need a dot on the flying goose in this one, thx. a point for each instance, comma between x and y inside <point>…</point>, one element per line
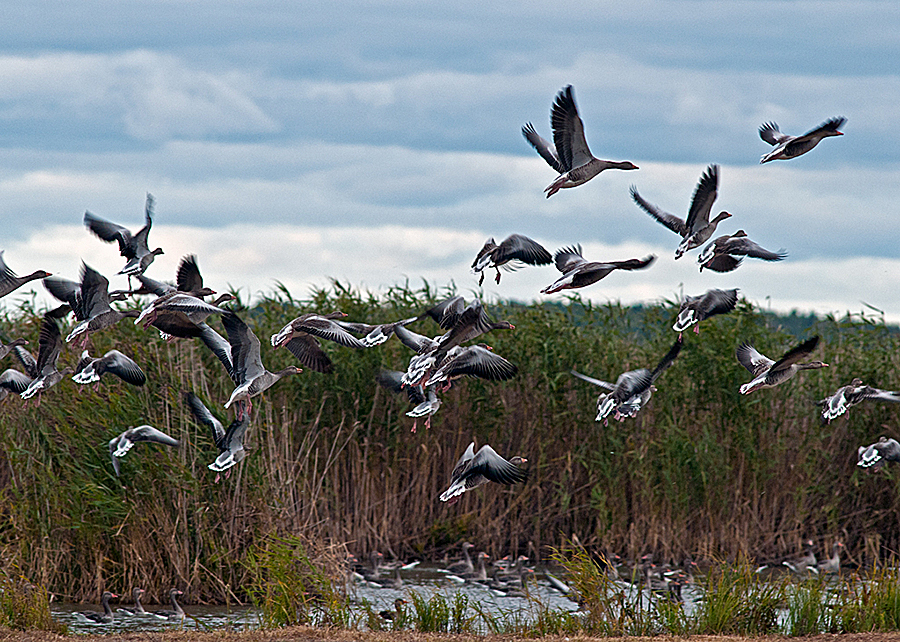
<point>300,338</point>
<point>512,252</point>
<point>697,228</point>
<point>89,370</point>
<point>13,381</point>
<point>632,389</point>
<point>846,396</point>
<point>426,400</point>
<point>132,246</point>
<point>10,281</point>
<point>695,309</point>
<point>248,373</point>
<point>787,147</point>
<point>373,335</point>
<point>474,469</point>
<point>121,444</point>
<point>94,305</point>
<point>6,348</point>
<point>229,441</point>
<point>46,374</point>
<point>474,361</point>
<point>100,618</point>
<point>578,273</point>
<point>879,453</point>
<point>569,153</point>
<point>768,373</point>
<point>720,255</point>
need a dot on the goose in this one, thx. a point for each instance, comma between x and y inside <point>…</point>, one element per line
<point>578,273</point>
<point>854,393</point>
<point>300,338</point>
<point>695,309</point>
<point>697,228</point>
<point>138,608</point>
<point>474,361</point>
<point>450,307</point>
<point>632,389</point>
<point>426,399</point>
<point>132,246</point>
<point>89,370</point>
<point>514,249</point>
<point>249,375</point>
<point>176,314</point>
<point>229,441</point>
<point>176,612</point>
<point>5,349</point>
<point>474,469</point>
<point>720,255</point>
<point>768,373</point>
<point>397,613</point>
<point>121,444</point>
<point>95,305</point>
<point>373,335</point>
<point>46,374</point>
<point>372,573</point>
<point>10,281</point>
<point>569,153</point>
<point>13,381</point>
<point>806,563</point>
<point>879,453</point>
<point>100,618</point>
<point>832,565</point>
<point>465,565</point>
<point>787,147</point>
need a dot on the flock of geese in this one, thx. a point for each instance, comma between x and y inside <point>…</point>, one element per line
<point>182,311</point>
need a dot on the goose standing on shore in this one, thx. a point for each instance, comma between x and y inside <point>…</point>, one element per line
<point>132,246</point>
<point>697,228</point>
<point>787,147</point>
<point>879,453</point>
<point>514,251</point>
<point>850,395</point>
<point>695,309</point>
<point>121,444</point>
<point>578,273</point>
<point>248,373</point>
<point>10,281</point>
<point>474,469</point>
<point>768,373</point>
<point>721,255</point>
<point>569,153</point>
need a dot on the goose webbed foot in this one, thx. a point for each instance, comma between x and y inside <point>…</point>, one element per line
<point>415,424</point>
<point>697,329</point>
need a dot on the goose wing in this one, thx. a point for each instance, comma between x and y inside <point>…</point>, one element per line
<point>463,464</point>
<point>7,276</point>
<point>328,329</point>
<point>219,347</point>
<point>829,126</point>
<point>476,361</point>
<point>545,148</point>
<point>94,291</point>
<point>412,340</point>
<point>393,381</point>
<point>14,381</point>
<point>703,199</point>
<point>746,247</point>
<point>568,131</point>
<point>188,277</point>
<point>717,302</point>
<point>124,367</point>
<point>671,221</point>
<point>770,133</point>
<point>722,263</point>
<point>490,465</point>
<point>50,342</point>
<point>597,382</point>
<point>27,360</point>
<point>868,392</point>
<point>245,349</point>
<point>521,248</point>
<point>308,351</point>
<point>667,360</point>
<point>204,416</point>
<point>795,354</point>
<point>446,312</point>
<point>753,360</point>
<point>569,258</point>
<point>110,232</point>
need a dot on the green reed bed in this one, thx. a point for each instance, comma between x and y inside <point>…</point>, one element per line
<point>702,471</point>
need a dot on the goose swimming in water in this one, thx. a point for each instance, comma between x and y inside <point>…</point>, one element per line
<point>176,612</point>
<point>787,147</point>
<point>768,373</point>
<point>474,469</point>
<point>854,393</point>
<point>138,608</point>
<point>515,250</point>
<point>100,618</point>
<point>132,246</point>
<point>579,273</point>
<point>697,228</point>
<point>569,153</point>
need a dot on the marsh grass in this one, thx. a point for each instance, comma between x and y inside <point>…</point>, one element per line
<point>25,606</point>
<point>701,471</point>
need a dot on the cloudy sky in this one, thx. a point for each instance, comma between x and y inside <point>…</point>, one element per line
<point>376,142</point>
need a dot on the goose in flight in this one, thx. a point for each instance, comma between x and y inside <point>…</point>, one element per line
<point>578,273</point>
<point>768,373</point>
<point>514,251</point>
<point>726,252</point>
<point>787,147</point>
<point>474,469</point>
<point>569,153</point>
<point>132,246</point>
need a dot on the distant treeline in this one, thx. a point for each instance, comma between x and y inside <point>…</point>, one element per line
<point>702,471</point>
